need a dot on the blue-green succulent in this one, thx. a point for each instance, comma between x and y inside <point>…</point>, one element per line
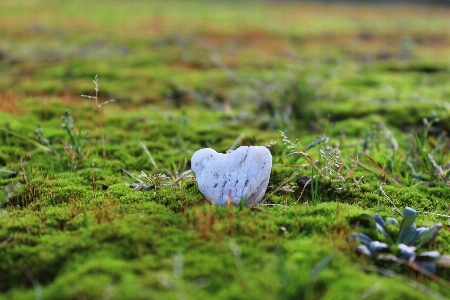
<point>387,240</point>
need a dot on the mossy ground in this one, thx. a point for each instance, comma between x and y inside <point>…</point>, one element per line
<point>192,74</point>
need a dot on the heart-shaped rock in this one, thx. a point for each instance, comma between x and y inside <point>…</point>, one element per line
<point>242,173</point>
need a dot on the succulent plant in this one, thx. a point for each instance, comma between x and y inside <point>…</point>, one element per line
<point>397,242</point>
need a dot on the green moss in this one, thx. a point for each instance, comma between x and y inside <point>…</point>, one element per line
<point>74,228</point>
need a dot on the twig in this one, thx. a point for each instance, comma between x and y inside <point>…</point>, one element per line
<point>274,204</point>
<point>131,175</point>
<point>384,194</point>
<point>181,177</point>
<point>303,190</point>
<point>434,214</point>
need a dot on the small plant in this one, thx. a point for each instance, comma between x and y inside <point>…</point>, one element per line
<point>333,164</point>
<point>330,168</point>
<point>99,105</point>
<point>73,146</point>
<point>389,242</point>
<point>40,137</point>
<point>426,160</point>
<point>435,161</point>
<point>76,138</point>
<point>156,181</point>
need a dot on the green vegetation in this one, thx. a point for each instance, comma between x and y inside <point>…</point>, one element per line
<point>400,242</point>
<point>94,199</point>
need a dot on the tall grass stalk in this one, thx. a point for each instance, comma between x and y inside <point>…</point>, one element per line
<point>99,115</point>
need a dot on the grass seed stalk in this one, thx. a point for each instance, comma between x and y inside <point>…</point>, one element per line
<point>99,115</point>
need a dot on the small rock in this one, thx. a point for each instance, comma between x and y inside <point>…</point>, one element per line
<point>242,173</point>
<point>283,229</point>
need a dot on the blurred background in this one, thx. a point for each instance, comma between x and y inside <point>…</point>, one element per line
<point>281,59</point>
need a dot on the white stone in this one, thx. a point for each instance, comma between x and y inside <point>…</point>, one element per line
<point>242,173</point>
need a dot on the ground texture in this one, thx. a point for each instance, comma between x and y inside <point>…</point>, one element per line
<point>360,90</point>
